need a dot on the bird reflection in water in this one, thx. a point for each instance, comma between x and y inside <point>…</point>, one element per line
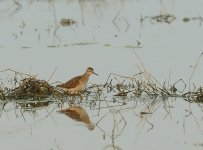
<point>79,114</point>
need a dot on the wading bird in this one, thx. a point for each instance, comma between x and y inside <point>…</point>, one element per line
<point>78,83</point>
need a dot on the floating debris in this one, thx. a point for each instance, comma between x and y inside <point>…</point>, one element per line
<point>52,46</point>
<point>145,113</point>
<point>67,22</point>
<point>162,18</point>
<point>84,43</point>
<point>167,18</point>
<point>186,19</point>
<point>107,45</point>
<point>199,18</point>
<point>25,47</point>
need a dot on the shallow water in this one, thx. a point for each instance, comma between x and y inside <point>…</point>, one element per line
<point>172,124</point>
<point>104,37</point>
<point>29,43</point>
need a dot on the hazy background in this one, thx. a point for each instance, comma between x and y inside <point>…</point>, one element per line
<point>101,38</point>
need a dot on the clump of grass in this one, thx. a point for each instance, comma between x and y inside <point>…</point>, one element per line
<point>2,96</point>
<point>31,88</point>
<point>195,96</point>
<point>144,83</point>
<point>25,86</point>
<point>141,84</point>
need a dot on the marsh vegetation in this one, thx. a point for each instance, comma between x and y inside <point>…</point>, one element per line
<point>156,103</point>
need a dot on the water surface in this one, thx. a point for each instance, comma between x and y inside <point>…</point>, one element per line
<point>104,37</point>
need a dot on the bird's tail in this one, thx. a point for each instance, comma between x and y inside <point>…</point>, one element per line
<point>60,111</point>
<point>60,89</point>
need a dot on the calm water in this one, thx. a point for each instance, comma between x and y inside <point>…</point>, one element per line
<point>103,38</point>
<point>173,124</point>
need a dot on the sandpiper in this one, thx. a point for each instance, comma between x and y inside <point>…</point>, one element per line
<point>79,114</point>
<point>78,83</point>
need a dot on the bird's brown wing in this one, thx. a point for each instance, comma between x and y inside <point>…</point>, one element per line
<point>72,83</point>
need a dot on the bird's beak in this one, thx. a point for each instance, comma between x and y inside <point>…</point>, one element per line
<point>95,73</point>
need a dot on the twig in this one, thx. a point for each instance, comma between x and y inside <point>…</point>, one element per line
<point>128,25</point>
<point>16,72</point>
<point>114,21</point>
<point>51,75</point>
<point>196,64</point>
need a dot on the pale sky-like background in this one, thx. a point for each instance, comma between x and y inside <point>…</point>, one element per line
<point>28,45</point>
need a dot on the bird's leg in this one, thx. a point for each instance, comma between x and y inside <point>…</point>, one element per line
<point>81,97</point>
